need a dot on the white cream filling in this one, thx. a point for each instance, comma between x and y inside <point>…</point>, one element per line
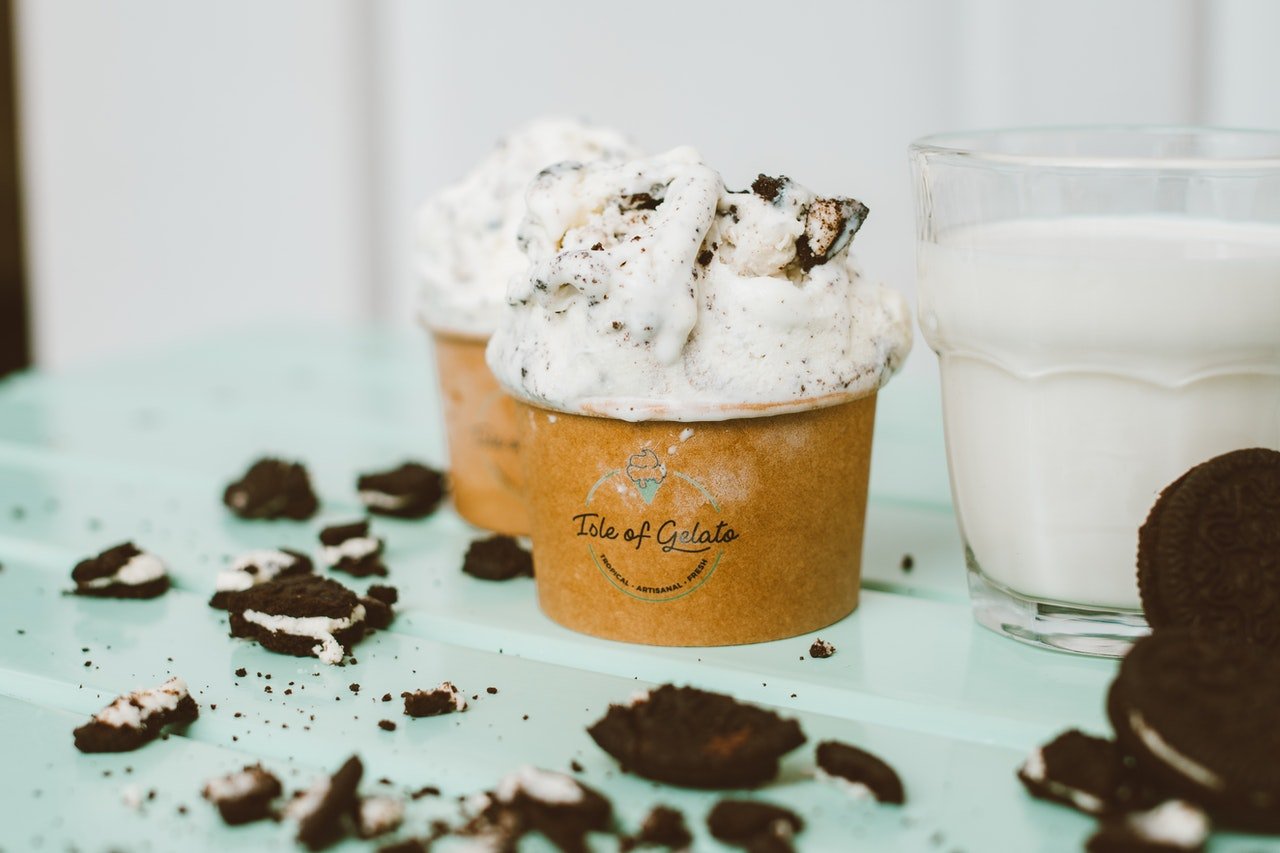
<point>1034,769</point>
<point>857,790</point>
<point>541,785</point>
<point>382,500</point>
<point>301,808</point>
<point>268,563</point>
<point>379,815</point>
<point>459,701</point>
<point>353,549</point>
<point>141,568</point>
<point>235,785</point>
<point>474,804</point>
<point>321,628</point>
<point>133,709</point>
<point>1161,749</point>
<point>1174,822</point>
<point>131,796</point>
<point>455,696</point>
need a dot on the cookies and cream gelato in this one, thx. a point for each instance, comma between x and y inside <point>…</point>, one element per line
<point>465,236</point>
<point>651,291</point>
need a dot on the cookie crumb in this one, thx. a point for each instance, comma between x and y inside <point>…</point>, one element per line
<point>821,649</point>
<point>272,488</point>
<point>498,558</point>
<point>445,699</point>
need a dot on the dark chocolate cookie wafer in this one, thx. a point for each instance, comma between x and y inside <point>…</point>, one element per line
<point>1199,720</point>
<point>125,571</point>
<point>410,491</point>
<point>243,796</point>
<point>662,827</point>
<point>754,825</point>
<point>272,488</point>
<point>1209,551</point>
<point>445,699</point>
<point>300,615</point>
<point>697,739</point>
<point>859,767</point>
<point>498,558</point>
<point>321,812</point>
<point>137,718</point>
<point>1087,773</point>
<point>351,548</point>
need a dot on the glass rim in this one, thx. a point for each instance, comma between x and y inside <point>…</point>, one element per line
<point>978,147</point>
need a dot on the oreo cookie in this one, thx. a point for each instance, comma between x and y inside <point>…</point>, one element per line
<point>304,615</point>
<point>410,491</point>
<point>1087,773</point>
<point>388,595</point>
<point>378,601</point>
<point>1171,827</point>
<point>696,739</point>
<point>1199,720</point>
<point>1209,551</point>
<point>820,648</point>
<point>861,771</point>
<point>322,810</point>
<point>376,816</point>
<point>445,699</point>
<point>243,796</point>
<point>124,571</point>
<point>498,558</point>
<point>534,800</point>
<point>272,488</point>
<point>755,825</point>
<point>350,548</point>
<point>662,827</point>
<point>137,718</point>
<point>258,567</point>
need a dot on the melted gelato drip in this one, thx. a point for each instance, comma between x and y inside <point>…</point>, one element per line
<point>466,248</point>
<point>652,292</point>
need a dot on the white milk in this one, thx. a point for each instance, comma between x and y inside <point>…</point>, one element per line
<point>1086,364</point>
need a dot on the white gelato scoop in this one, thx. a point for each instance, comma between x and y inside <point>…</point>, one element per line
<point>653,293</point>
<point>465,236</point>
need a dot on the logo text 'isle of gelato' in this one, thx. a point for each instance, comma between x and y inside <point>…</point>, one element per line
<point>646,470</point>
<point>683,532</point>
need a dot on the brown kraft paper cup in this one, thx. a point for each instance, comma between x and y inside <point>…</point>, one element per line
<point>691,534</point>
<point>484,445</point>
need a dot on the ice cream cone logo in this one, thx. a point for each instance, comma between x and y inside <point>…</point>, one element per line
<point>647,472</point>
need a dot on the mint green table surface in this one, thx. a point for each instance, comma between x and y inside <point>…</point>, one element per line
<point>141,448</point>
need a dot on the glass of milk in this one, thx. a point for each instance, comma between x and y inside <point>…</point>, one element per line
<point>1105,306</point>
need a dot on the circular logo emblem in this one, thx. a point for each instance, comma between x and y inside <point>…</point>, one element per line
<point>655,533</point>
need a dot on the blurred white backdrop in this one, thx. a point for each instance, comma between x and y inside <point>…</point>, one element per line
<point>193,167</point>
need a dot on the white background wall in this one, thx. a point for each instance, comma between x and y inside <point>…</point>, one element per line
<point>191,167</point>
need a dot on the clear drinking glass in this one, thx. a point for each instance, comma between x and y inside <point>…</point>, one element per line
<point>1105,306</point>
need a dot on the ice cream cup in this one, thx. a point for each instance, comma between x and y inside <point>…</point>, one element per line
<point>714,532</point>
<point>484,444</point>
